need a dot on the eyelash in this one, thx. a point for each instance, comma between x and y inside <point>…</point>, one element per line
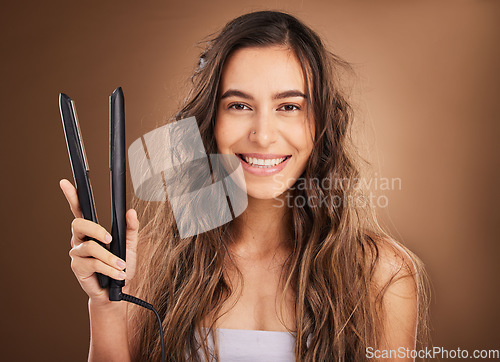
<point>241,104</point>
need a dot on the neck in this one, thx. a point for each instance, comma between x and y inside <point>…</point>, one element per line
<point>262,229</point>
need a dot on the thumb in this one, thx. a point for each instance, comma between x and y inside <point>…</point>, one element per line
<point>132,237</point>
<point>132,226</point>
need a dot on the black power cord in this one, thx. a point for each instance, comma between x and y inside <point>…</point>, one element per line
<point>119,295</point>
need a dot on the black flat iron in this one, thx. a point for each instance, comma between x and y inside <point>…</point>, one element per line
<point>117,166</point>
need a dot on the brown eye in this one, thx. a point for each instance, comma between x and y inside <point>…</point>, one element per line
<point>289,107</point>
<point>237,106</point>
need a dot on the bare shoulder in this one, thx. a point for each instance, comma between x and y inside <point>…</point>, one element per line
<point>394,286</point>
<point>393,265</point>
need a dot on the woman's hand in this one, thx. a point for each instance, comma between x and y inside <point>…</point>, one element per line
<point>88,257</point>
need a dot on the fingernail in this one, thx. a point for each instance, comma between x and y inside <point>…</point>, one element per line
<point>122,275</point>
<point>108,238</point>
<point>121,263</point>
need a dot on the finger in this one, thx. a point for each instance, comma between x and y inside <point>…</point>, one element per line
<point>132,238</point>
<point>92,249</point>
<point>71,196</point>
<point>83,229</point>
<point>132,227</point>
<point>84,268</point>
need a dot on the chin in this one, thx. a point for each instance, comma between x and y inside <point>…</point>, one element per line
<point>265,194</point>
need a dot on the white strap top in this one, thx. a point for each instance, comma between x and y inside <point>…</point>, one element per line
<point>241,345</point>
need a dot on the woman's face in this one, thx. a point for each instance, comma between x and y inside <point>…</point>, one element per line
<point>263,91</point>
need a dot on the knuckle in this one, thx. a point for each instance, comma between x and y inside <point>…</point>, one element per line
<point>87,247</point>
<point>73,265</point>
<point>75,221</point>
<point>83,247</point>
<point>75,224</point>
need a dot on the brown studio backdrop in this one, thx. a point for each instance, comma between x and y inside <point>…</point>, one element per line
<point>426,97</point>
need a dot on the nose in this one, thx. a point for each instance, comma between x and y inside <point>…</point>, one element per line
<point>265,127</point>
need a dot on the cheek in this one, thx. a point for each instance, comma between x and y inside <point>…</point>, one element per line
<point>301,136</point>
<point>309,132</point>
<point>224,136</point>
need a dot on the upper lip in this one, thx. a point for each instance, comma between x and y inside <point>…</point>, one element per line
<point>262,156</point>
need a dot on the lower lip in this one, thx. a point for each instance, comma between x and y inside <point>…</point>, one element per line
<point>264,171</point>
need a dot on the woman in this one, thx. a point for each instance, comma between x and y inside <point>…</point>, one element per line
<point>303,258</point>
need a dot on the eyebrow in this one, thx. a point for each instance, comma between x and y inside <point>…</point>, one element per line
<point>280,95</point>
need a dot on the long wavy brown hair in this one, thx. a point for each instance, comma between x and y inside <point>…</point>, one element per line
<point>335,246</point>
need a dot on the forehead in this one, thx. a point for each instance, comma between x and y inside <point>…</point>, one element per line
<point>263,69</point>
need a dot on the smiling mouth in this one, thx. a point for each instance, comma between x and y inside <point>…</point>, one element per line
<point>267,162</point>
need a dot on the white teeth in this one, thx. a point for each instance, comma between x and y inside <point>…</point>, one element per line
<point>263,163</point>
